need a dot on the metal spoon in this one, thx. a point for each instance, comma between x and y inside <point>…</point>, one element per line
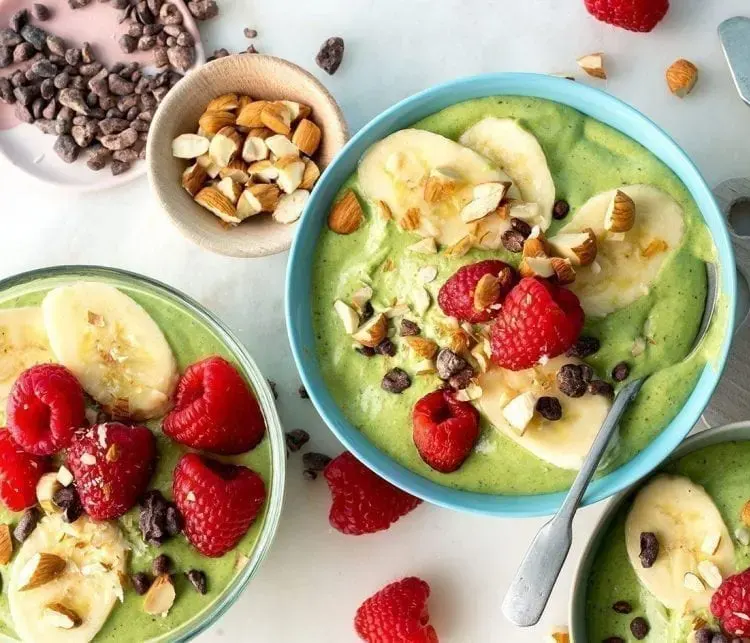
<point>536,577</point>
<point>734,34</point>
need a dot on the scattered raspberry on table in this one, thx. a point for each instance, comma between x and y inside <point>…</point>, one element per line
<point>633,15</point>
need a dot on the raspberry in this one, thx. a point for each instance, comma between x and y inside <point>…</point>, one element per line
<point>363,502</point>
<point>218,502</point>
<point>112,464</point>
<point>45,407</point>
<point>19,473</point>
<point>456,296</point>
<point>633,15</point>
<point>397,614</point>
<point>215,410</point>
<point>445,430</point>
<point>731,604</point>
<point>537,320</point>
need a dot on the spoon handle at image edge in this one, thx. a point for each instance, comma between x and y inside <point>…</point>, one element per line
<point>532,586</point>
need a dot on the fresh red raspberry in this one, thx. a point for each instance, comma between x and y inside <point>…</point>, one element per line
<point>733,599</point>
<point>633,15</point>
<point>45,407</point>
<point>215,410</point>
<point>445,430</point>
<point>112,464</point>
<point>19,473</point>
<point>218,502</point>
<point>456,296</point>
<point>538,319</point>
<point>397,614</point>
<point>363,502</point>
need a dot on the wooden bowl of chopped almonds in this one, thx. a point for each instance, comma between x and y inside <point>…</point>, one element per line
<point>235,149</point>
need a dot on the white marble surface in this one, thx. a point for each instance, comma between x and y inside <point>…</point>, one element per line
<point>314,578</point>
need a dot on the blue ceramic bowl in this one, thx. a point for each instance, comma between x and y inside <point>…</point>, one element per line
<point>591,102</point>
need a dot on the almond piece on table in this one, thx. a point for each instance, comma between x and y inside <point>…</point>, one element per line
<point>215,202</point>
<point>254,149</point>
<point>579,247</point>
<point>189,146</point>
<point>230,189</point>
<point>6,545</point>
<point>620,215</point>
<point>346,214</point>
<point>211,122</point>
<point>249,115</point>
<point>348,315</point>
<point>160,596</point>
<point>276,117</point>
<point>307,137</point>
<point>225,146</point>
<point>373,331</point>
<point>593,65</point>
<point>681,77</point>
<point>291,206</point>
<point>236,170</point>
<point>40,569</point>
<point>310,176</point>
<point>58,615</point>
<point>281,146</point>
<point>194,178</point>
<point>264,171</point>
<point>291,169</point>
<point>225,102</point>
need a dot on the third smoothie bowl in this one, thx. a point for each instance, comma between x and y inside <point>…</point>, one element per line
<point>492,260</point>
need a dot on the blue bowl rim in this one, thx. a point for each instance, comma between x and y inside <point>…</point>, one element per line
<point>592,102</point>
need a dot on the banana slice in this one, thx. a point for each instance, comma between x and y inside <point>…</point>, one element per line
<point>416,169</point>
<point>87,589</point>
<point>112,346</point>
<point>517,152</point>
<point>563,443</point>
<point>685,520</point>
<point>23,344</point>
<point>630,261</point>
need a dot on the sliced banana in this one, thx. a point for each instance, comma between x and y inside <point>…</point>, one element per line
<point>682,516</point>
<point>629,261</point>
<point>563,443</point>
<point>517,152</point>
<point>23,344</point>
<point>112,346</point>
<point>89,586</point>
<point>397,169</point>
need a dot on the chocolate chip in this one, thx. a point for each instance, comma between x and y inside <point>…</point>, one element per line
<point>649,549</point>
<point>41,12</point>
<point>396,381</point>
<point>27,524</point>
<point>159,519</point>
<point>162,564</point>
<point>448,364</point>
<point>302,392</point>
<point>366,351</point>
<point>408,328</point>
<point>296,439</point>
<point>620,372</point>
<point>462,379</point>
<point>19,19</point>
<point>309,475</point>
<point>600,387</point>
<point>639,627</point>
<point>140,582</point>
<point>9,37</point>
<point>704,635</point>
<point>174,522</point>
<point>34,36</point>
<point>583,347</point>
<point>69,501</point>
<point>65,147</point>
<point>519,225</point>
<point>570,380</point>
<point>512,241</point>
<point>315,461</point>
<point>386,347</point>
<point>330,55</point>
<point>560,209</point>
<point>198,579</point>
<point>203,9</point>
<point>622,607</point>
<point>549,408</point>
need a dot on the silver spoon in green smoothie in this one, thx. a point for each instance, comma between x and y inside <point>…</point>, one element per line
<point>535,579</point>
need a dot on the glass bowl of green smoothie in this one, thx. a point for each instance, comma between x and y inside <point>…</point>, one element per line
<point>193,333</point>
<point>593,143</point>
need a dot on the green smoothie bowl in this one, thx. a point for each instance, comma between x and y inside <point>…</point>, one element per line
<point>663,549</point>
<point>142,467</point>
<point>479,272</point>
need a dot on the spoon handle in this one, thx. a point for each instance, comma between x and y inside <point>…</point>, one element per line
<point>530,590</point>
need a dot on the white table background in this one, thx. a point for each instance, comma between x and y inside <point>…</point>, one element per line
<point>314,578</point>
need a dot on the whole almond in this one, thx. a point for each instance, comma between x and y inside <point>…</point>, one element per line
<point>346,214</point>
<point>681,77</point>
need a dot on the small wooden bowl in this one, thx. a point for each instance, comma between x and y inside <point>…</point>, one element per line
<point>258,76</point>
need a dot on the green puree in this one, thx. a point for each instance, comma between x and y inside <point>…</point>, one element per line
<point>191,341</point>
<point>722,470</point>
<point>585,158</point>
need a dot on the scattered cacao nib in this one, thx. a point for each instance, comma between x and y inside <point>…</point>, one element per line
<point>549,408</point>
<point>128,43</point>
<point>198,580</point>
<point>78,4</point>
<point>583,347</point>
<point>6,57</point>
<point>181,58</point>
<point>307,474</point>
<point>218,53</point>
<point>386,347</point>
<point>622,607</point>
<point>512,241</point>
<point>620,372</point>
<point>98,159</point>
<point>56,45</point>
<point>41,12</point>
<point>519,225</point>
<point>587,373</point>
<point>65,147</point>
<point>119,167</point>
<point>707,635</point>
<point>69,501</point>
<point>203,9</point>
<point>159,519</point>
<point>560,209</point>
<point>462,379</point>
<point>34,36</point>
<point>367,351</point>
<point>23,113</point>
<point>140,582</point>
<point>27,524</point>
<point>570,380</point>
<point>169,14</point>
<point>19,19</point>
<point>315,461</point>
<point>302,392</point>
<point>6,91</point>
<point>367,311</point>
<point>62,80</point>
<point>395,381</point>
<point>649,549</point>
<point>330,55</point>
<point>613,639</point>
<point>250,33</point>
<point>639,627</point>
<point>600,387</point>
<point>251,50</point>
<point>162,564</point>
<point>409,328</point>
<point>296,439</point>
<point>448,363</point>
<point>87,53</point>
<point>9,37</point>
<point>23,52</point>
